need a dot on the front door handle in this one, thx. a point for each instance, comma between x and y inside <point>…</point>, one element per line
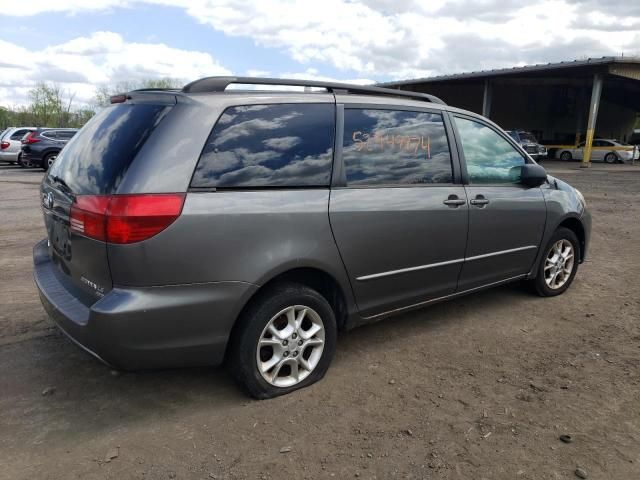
<point>479,201</point>
<point>453,201</point>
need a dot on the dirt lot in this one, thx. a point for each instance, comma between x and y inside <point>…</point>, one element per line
<point>480,387</point>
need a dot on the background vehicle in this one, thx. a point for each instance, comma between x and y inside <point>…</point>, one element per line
<point>40,148</point>
<point>283,217</point>
<point>10,143</point>
<point>604,150</point>
<point>529,143</point>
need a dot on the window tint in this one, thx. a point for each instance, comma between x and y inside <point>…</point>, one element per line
<point>18,134</point>
<point>52,134</point>
<point>96,159</point>
<point>65,134</point>
<point>392,147</point>
<point>490,158</point>
<point>283,145</point>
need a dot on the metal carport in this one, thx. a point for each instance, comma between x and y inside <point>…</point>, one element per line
<point>561,103</point>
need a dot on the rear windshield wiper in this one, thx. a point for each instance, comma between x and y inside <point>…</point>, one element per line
<point>62,183</point>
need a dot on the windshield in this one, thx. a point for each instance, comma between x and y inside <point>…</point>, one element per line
<point>96,159</point>
<point>527,137</point>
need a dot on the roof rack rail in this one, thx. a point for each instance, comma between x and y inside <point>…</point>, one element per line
<point>220,84</point>
<point>159,89</point>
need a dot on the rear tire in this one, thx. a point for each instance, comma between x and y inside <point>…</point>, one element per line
<point>20,161</point>
<point>566,156</point>
<point>276,348</point>
<point>611,158</point>
<point>559,265</point>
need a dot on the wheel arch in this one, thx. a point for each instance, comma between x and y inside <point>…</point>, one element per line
<point>575,225</point>
<point>572,222</point>
<point>561,151</point>
<point>49,151</point>
<point>311,276</point>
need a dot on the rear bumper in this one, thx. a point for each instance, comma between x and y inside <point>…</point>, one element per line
<point>8,156</point>
<point>142,328</point>
<point>30,158</point>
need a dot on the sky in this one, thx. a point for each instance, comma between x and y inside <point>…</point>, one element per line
<point>81,44</point>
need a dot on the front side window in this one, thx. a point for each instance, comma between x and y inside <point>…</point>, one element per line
<point>280,145</point>
<point>395,147</point>
<point>490,158</point>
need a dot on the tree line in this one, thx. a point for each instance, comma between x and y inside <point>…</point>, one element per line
<point>52,106</point>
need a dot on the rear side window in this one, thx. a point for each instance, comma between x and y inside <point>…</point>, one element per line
<point>96,159</point>
<point>19,134</point>
<point>395,147</point>
<point>51,134</point>
<point>281,145</point>
<point>65,134</point>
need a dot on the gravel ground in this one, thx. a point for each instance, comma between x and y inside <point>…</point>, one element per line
<point>481,387</point>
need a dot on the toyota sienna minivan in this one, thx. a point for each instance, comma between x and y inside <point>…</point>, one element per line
<point>195,226</point>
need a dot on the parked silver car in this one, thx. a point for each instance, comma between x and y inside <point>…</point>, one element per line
<point>10,151</point>
<point>604,150</point>
<point>192,226</point>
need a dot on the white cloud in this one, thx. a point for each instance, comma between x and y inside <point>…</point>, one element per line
<point>82,63</point>
<point>366,39</point>
<point>384,38</point>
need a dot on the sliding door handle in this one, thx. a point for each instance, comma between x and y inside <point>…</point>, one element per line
<point>454,201</point>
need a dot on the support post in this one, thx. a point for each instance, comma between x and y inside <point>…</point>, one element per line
<point>486,99</point>
<point>593,116</point>
<point>582,94</point>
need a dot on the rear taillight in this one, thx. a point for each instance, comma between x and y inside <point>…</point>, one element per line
<point>30,138</point>
<point>124,218</point>
<point>4,145</point>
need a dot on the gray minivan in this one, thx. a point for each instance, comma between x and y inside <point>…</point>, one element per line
<point>196,226</point>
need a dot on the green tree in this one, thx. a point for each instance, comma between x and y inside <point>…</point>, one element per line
<point>105,92</point>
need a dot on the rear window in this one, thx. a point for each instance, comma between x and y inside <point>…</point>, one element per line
<point>96,159</point>
<point>257,146</point>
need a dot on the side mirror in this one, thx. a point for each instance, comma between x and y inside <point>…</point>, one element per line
<point>532,175</point>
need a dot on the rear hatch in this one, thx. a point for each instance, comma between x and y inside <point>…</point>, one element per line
<point>81,186</point>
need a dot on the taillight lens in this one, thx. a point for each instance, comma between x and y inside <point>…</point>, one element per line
<point>89,216</point>
<point>30,138</point>
<point>4,145</point>
<point>124,219</point>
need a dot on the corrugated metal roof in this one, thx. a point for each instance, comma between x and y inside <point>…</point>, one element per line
<point>517,70</point>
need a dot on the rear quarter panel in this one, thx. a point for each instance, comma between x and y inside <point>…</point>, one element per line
<point>246,236</point>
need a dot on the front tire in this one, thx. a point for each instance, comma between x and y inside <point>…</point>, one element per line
<point>559,265</point>
<point>285,340</point>
<point>566,156</point>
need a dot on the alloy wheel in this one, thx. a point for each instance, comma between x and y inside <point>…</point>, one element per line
<point>559,264</point>
<point>290,346</point>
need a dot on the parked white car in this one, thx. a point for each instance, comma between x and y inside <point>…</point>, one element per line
<point>10,143</point>
<point>604,150</point>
